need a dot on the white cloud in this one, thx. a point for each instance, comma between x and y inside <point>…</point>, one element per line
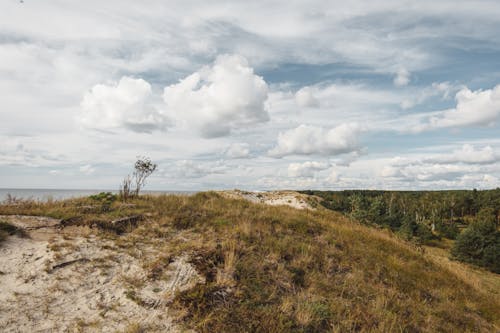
<point>334,177</point>
<point>466,163</point>
<point>14,151</point>
<point>480,107</point>
<point>469,155</point>
<point>51,54</point>
<point>238,150</point>
<point>196,169</point>
<point>347,159</point>
<point>390,171</point>
<point>442,89</point>
<point>87,169</point>
<point>426,171</point>
<point>306,169</point>
<point>219,98</point>
<point>402,77</point>
<point>305,97</point>
<point>126,104</point>
<point>308,140</point>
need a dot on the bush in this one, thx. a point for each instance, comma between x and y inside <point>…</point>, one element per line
<point>410,229</point>
<point>105,199</point>
<point>479,244</point>
<point>448,230</point>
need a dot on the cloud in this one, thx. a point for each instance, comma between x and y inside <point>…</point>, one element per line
<point>14,151</point>
<point>306,169</point>
<point>193,169</point>
<point>305,97</point>
<point>87,169</point>
<point>347,159</point>
<point>467,162</point>
<point>333,178</point>
<point>238,150</point>
<point>402,78</point>
<point>219,98</point>
<point>474,108</point>
<point>425,172</point>
<point>125,104</point>
<point>443,89</point>
<point>467,154</point>
<point>308,140</point>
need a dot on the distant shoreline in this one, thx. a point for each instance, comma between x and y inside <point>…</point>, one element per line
<point>60,194</point>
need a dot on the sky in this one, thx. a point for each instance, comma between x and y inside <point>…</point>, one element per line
<point>255,95</point>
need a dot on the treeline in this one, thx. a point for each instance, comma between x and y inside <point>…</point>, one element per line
<point>469,217</point>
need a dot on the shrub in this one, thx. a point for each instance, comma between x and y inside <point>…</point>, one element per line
<point>479,244</point>
<point>448,230</point>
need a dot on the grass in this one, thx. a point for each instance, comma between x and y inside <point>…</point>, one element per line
<point>277,269</point>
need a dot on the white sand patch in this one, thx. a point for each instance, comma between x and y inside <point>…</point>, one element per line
<point>55,283</point>
<point>274,198</point>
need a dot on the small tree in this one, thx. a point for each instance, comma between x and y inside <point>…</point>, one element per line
<point>143,168</point>
<point>479,244</point>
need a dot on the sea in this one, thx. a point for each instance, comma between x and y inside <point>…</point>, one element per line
<point>59,194</point>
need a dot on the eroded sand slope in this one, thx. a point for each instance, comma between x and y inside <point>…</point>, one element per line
<point>63,280</point>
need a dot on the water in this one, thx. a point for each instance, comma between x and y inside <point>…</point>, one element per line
<point>55,194</point>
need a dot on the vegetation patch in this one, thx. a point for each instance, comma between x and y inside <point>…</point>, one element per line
<point>278,269</point>
<point>425,217</point>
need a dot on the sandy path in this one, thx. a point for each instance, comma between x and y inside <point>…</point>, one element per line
<point>55,282</point>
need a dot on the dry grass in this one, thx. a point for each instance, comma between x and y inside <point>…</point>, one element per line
<point>277,269</point>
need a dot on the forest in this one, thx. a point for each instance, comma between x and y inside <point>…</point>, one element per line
<point>469,218</point>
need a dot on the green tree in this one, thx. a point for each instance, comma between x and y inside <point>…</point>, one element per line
<point>479,244</point>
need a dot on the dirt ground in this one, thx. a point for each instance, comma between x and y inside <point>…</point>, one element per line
<point>69,280</point>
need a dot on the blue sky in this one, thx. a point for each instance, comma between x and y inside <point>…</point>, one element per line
<point>261,95</point>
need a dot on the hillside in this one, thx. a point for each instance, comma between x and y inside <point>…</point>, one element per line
<point>214,263</point>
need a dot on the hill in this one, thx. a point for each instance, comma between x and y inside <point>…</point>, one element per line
<point>216,264</point>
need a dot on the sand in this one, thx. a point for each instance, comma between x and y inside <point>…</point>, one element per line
<point>61,281</point>
<point>273,198</point>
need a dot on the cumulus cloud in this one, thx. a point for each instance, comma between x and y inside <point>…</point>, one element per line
<point>308,140</point>
<point>125,104</point>
<point>238,150</point>
<point>480,108</point>
<point>219,98</point>
<point>305,97</point>
<point>469,155</point>
<point>419,171</point>
<point>194,169</point>
<point>306,169</point>
<point>464,163</point>
<point>402,77</point>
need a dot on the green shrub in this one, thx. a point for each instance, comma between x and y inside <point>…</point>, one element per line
<point>448,230</point>
<point>479,244</point>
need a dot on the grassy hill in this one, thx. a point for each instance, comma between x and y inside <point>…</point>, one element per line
<point>279,269</point>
